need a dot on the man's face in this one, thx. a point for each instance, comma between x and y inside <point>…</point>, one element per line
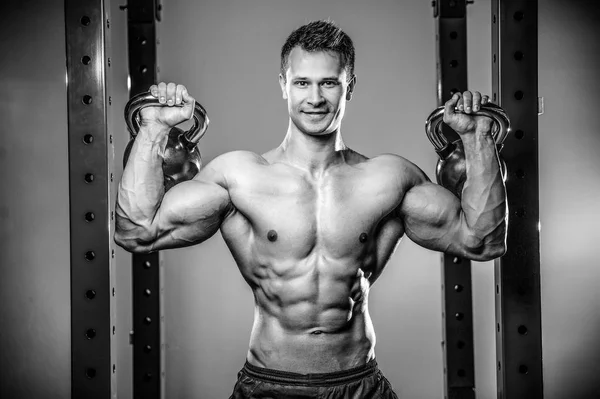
<point>316,89</point>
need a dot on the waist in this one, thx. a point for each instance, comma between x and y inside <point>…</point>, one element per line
<point>303,352</point>
<point>311,379</point>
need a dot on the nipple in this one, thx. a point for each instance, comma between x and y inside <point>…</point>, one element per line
<point>272,235</point>
<point>363,237</point>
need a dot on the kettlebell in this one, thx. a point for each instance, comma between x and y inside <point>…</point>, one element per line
<point>451,168</point>
<point>181,158</point>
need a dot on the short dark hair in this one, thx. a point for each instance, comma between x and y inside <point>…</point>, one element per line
<point>320,36</point>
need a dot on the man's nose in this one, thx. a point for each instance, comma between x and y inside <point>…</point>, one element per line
<point>316,98</point>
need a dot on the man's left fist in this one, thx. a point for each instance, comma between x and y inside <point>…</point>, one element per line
<point>458,113</point>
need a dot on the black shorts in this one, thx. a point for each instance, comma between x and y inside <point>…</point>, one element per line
<point>363,382</point>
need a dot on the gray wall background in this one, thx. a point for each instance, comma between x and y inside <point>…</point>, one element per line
<point>227,53</point>
<point>35,316</point>
<point>570,195</point>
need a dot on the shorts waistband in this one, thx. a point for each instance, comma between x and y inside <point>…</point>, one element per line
<point>326,379</point>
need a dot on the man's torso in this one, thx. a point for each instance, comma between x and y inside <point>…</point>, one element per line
<point>310,247</point>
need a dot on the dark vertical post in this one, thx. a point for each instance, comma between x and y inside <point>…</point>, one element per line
<point>141,31</point>
<point>92,274</point>
<point>518,300</point>
<point>459,371</point>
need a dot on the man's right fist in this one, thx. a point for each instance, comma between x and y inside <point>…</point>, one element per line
<point>176,106</point>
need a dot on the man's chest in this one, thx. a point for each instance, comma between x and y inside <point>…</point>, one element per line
<point>340,212</point>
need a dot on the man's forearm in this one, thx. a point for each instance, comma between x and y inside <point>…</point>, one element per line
<point>141,188</point>
<point>484,196</point>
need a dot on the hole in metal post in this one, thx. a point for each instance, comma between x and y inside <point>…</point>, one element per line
<point>90,255</point>
<point>459,316</point>
<point>519,134</point>
<point>90,216</point>
<point>90,294</point>
<point>87,99</point>
<point>85,20</point>
<point>460,344</point>
<point>90,333</point>
<point>90,373</point>
<point>522,330</point>
<point>518,55</point>
<point>461,373</point>
<point>89,177</point>
<point>147,348</point>
<point>518,16</point>
<point>147,264</point>
<point>453,35</point>
<point>523,369</point>
<point>147,292</point>
<point>520,173</point>
<point>457,260</point>
<point>519,95</point>
<point>147,320</point>
<point>453,64</point>
<point>88,139</point>
<point>85,60</point>
<point>458,288</point>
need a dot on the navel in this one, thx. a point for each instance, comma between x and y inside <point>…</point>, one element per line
<point>272,235</point>
<point>363,237</point>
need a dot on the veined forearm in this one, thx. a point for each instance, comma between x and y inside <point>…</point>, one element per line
<point>141,188</point>
<point>484,195</point>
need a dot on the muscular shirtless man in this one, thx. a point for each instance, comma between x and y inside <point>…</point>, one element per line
<point>312,223</point>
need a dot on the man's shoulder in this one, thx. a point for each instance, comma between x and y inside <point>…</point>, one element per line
<point>393,161</point>
<point>236,160</point>
<point>228,165</point>
<point>400,167</point>
<point>240,156</point>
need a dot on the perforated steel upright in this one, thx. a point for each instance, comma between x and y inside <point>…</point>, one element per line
<point>457,316</point>
<point>93,357</point>
<point>147,315</point>
<point>518,300</point>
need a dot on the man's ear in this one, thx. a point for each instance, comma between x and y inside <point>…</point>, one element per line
<point>351,85</point>
<point>282,84</point>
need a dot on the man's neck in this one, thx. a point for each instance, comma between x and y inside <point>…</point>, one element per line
<point>315,154</point>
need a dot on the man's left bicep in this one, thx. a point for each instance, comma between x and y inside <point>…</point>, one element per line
<point>432,218</point>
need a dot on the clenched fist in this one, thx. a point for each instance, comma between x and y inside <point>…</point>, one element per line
<point>463,122</point>
<point>176,106</point>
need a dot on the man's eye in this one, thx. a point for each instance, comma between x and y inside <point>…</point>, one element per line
<point>301,83</point>
<point>330,83</point>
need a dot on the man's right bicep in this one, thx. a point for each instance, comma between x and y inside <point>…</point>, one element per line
<point>191,212</point>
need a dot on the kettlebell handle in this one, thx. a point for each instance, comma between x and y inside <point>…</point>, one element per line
<point>500,129</point>
<point>146,99</point>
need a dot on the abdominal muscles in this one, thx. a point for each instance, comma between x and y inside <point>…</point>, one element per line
<point>311,315</point>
